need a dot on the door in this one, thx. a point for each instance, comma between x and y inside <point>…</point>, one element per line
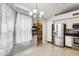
<point>59,37</point>
<point>59,41</point>
<point>60,30</point>
<point>68,41</point>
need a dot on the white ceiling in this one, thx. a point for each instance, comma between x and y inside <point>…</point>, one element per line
<point>50,9</point>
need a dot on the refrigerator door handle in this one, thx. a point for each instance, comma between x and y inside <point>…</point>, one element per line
<point>56,30</point>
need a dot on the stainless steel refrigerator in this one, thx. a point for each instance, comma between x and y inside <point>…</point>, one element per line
<point>59,34</point>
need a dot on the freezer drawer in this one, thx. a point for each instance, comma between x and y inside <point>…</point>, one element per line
<point>59,41</point>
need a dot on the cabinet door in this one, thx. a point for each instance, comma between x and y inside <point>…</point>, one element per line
<point>68,41</point>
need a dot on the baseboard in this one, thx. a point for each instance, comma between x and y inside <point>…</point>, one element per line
<point>49,42</point>
<point>59,46</point>
<point>68,47</point>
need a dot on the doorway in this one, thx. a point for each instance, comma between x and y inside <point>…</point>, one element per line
<point>39,32</point>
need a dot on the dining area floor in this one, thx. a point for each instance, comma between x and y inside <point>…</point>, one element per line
<point>48,50</point>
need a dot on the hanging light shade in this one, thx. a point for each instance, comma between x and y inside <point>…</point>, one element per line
<point>41,12</point>
<point>35,11</point>
<point>30,13</point>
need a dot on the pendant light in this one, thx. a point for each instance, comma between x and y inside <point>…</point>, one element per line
<point>35,13</point>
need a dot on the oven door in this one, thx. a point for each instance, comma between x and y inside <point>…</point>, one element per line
<point>76,40</point>
<point>75,44</point>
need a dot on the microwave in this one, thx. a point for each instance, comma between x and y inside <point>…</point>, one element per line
<point>76,26</point>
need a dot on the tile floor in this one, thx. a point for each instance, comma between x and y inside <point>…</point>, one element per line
<point>48,50</point>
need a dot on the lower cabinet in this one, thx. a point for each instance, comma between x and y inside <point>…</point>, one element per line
<point>68,41</point>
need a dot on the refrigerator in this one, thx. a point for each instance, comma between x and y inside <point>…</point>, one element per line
<point>59,34</point>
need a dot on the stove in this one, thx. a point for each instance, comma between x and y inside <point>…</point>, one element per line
<point>75,44</point>
<point>75,34</point>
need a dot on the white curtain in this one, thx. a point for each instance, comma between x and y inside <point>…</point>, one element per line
<point>7,30</point>
<point>23,28</point>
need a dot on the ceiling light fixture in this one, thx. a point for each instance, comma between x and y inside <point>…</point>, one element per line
<point>35,13</point>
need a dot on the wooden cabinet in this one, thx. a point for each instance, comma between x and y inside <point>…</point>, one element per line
<point>39,32</point>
